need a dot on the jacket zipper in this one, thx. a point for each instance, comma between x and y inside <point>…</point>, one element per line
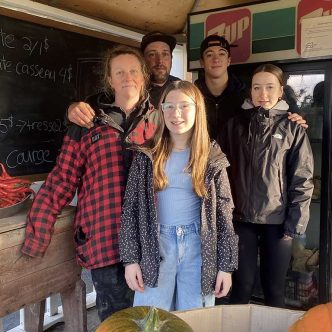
<point>250,202</point>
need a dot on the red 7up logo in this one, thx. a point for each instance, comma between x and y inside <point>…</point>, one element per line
<point>235,26</point>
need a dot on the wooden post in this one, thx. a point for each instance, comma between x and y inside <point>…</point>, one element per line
<point>74,307</point>
<point>34,317</point>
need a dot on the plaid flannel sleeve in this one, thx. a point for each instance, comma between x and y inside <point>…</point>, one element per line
<point>57,192</point>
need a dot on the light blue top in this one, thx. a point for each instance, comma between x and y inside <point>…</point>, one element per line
<point>178,204</point>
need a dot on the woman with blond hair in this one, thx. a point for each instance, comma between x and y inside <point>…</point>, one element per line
<point>95,162</point>
<point>177,240</point>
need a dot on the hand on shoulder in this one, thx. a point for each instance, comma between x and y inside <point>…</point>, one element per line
<point>81,114</point>
<point>298,119</point>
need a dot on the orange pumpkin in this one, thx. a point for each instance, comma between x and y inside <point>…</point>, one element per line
<point>316,319</point>
<point>143,319</point>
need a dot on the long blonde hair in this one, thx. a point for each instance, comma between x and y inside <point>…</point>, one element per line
<point>199,141</point>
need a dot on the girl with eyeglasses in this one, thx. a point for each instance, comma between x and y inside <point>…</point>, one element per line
<point>177,240</point>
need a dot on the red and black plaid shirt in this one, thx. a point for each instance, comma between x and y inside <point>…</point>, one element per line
<point>90,161</point>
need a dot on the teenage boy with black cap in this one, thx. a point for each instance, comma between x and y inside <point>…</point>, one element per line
<point>157,49</point>
<point>223,92</point>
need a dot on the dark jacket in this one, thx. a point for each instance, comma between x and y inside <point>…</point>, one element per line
<point>156,91</point>
<point>91,161</point>
<point>220,109</point>
<point>139,227</point>
<point>271,171</point>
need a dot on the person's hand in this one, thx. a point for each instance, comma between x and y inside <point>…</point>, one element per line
<point>223,284</point>
<point>298,119</point>
<point>133,275</point>
<point>81,114</point>
<point>286,237</point>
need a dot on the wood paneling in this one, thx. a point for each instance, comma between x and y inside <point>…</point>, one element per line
<point>140,15</point>
<point>25,280</point>
<point>136,15</point>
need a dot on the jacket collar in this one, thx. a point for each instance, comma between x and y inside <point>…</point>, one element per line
<point>104,101</point>
<point>216,157</point>
<point>281,107</point>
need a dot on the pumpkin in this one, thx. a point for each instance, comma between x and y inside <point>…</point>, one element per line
<point>143,319</point>
<point>316,319</point>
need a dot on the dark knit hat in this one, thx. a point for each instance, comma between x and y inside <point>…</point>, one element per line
<point>158,36</point>
<point>215,40</point>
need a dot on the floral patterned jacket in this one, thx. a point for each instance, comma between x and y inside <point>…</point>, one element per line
<point>139,225</point>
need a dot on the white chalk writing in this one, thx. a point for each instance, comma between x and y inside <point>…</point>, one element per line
<point>6,124</point>
<point>35,71</point>
<point>64,74</point>
<point>30,45</point>
<point>31,157</point>
<point>7,40</point>
<point>5,65</point>
<point>53,126</point>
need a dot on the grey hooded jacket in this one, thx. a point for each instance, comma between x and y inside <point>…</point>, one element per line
<point>271,171</point>
<point>139,224</point>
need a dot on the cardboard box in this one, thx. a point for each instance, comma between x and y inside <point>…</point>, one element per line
<point>240,318</point>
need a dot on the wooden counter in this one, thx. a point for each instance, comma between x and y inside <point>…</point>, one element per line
<point>28,281</point>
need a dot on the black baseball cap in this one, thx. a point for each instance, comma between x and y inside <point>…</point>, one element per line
<point>158,36</point>
<point>215,40</point>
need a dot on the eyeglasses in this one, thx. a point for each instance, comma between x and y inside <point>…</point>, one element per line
<point>183,106</point>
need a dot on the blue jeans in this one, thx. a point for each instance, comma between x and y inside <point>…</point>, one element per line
<point>179,282</point>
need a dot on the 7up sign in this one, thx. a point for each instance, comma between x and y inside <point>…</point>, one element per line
<point>235,26</point>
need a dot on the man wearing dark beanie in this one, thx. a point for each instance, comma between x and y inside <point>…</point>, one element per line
<point>157,48</point>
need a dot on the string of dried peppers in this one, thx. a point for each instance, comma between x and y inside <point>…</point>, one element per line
<point>12,190</point>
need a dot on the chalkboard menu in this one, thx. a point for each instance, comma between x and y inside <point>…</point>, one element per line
<point>42,70</point>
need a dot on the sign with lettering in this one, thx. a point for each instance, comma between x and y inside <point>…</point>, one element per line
<point>316,36</point>
<point>42,70</point>
<point>235,26</point>
<point>267,31</point>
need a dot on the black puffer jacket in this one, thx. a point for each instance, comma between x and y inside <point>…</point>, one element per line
<point>220,109</point>
<point>271,171</point>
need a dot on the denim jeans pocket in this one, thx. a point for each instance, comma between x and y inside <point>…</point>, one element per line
<point>180,243</point>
